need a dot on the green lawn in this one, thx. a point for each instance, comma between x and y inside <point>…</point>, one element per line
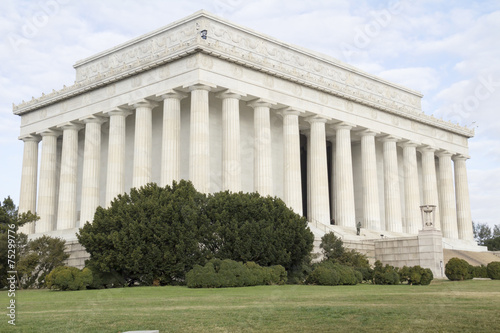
<point>444,306</point>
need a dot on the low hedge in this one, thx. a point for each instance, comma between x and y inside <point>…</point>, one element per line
<point>416,275</point>
<point>229,273</point>
<point>69,278</point>
<point>328,273</point>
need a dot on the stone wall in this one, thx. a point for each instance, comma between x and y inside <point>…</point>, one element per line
<point>425,250</point>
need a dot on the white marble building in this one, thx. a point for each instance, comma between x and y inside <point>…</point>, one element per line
<point>231,109</point>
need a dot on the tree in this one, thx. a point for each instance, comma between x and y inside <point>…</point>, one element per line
<point>10,220</point>
<point>157,234</point>
<point>38,257</point>
<point>150,235</point>
<point>248,227</point>
<point>482,232</point>
<point>486,237</point>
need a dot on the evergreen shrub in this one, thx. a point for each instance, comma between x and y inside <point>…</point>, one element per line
<point>493,269</point>
<point>457,269</point>
<point>69,278</point>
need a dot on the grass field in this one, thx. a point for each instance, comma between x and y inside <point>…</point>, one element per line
<point>444,306</point>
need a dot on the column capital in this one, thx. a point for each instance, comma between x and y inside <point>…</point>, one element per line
<point>171,93</point>
<point>144,103</point>
<point>118,111</point>
<point>408,143</point>
<point>460,157</point>
<point>389,138</point>
<point>229,93</point>
<point>427,149</point>
<point>343,125</point>
<point>444,153</point>
<point>200,85</point>
<point>259,102</point>
<point>290,111</point>
<point>316,119</point>
<point>30,137</point>
<point>367,132</point>
<point>49,132</point>
<point>74,125</point>
<point>93,119</point>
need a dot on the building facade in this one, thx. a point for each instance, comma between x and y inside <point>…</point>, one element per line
<point>230,109</point>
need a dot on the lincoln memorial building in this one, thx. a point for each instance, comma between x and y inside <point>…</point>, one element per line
<point>228,108</point>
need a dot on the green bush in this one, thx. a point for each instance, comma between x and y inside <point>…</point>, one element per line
<point>419,276</point>
<point>385,274</point>
<point>493,269</point>
<point>457,270</point>
<point>479,271</point>
<point>229,273</point>
<point>328,273</point>
<point>366,273</point>
<point>69,278</point>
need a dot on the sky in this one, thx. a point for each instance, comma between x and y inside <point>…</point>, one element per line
<point>447,50</point>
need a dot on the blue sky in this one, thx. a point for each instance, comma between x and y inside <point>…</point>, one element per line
<point>448,50</point>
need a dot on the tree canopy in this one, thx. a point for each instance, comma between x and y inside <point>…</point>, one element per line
<point>157,234</point>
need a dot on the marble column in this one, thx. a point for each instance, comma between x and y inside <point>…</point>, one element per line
<point>464,218</point>
<point>67,210</point>
<point>143,142</point>
<point>413,220</point>
<point>292,181</point>
<point>447,194</point>
<point>47,199</point>
<point>371,209</point>
<point>393,218</point>
<point>430,182</point>
<point>199,138</point>
<point>231,147</point>
<point>344,185</point>
<point>263,170</point>
<point>320,200</point>
<point>171,137</point>
<point>91,169</point>
<point>115,176</point>
<point>27,198</point>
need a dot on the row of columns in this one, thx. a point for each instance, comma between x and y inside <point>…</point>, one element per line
<point>59,195</point>
<point>452,198</point>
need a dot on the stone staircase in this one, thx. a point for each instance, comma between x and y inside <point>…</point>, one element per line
<point>473,258</point>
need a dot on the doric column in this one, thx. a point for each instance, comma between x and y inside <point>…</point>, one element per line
<point>199,138</point>
<point>47,199</point>
<point>393,220</point>
<point>143,142</point>
<point>447,194</point>
<point>371,209</point>
<point>307,133</point>
<point>292,181</point>
<point>91,168</point>
<point>344,186</point>
<point>171,137</point>
<point>231,153</point>
<point>66,208</point>
<point>464,218</point>
<point>263,170</point>
<point>412,188</point>
<point>320,205</point>
<point>27,198</point>
<point>430,182</point>
<point>115,177</point>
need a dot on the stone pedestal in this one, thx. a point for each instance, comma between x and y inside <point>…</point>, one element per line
<point>430,245</point>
